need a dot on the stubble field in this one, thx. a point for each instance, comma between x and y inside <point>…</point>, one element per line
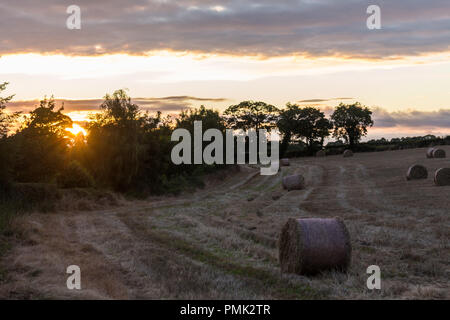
<point>222,242</point>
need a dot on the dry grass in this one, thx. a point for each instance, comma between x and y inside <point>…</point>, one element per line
<point>221,243</point>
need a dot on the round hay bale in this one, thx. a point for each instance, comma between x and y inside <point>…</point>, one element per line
<point>438,153</point>
<point>321,154</point>
<point>348,153</point>
<point>430,153</point>
<point>442,177</point>
<point>308,246</point>
<point>294,182</point>
<point>417,172</point>
<point>285,162</point>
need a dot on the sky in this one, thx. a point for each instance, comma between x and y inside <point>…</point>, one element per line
<point>172,55</point>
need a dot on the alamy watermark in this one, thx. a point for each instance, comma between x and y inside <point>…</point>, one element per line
<point>74,280</point>
<point>73,22</point>
<point>374,20</point>
<point>213,153</point>
<point>374,281</point>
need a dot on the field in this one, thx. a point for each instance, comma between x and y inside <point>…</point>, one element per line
<point>221,242</point>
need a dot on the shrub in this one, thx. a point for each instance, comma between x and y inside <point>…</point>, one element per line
<point>75,176</point>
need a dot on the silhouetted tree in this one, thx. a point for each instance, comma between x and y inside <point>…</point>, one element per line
<point>251,115</point>
<point>42,143</point>
<point>210,119</point>
<point>351,122</point>
<point>306,123</point>
<point>7,120</point>
<point>113,141</point>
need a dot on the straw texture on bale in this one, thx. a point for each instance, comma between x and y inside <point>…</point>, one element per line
<point>430,153</point>
<point>321,153</point>
<point>294,182</point>
<point>417,172</point>
<point>309,246</point>
<point>442,177</point>
<point>285,162</point>
<point>438,153</point>
<point>348,153</point>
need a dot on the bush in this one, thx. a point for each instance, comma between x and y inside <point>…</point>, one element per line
<point>75,176</point>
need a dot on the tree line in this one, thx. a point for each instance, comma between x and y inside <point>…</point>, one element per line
<point>128,150</point>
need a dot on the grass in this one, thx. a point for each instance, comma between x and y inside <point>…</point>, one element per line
<point>7,213</point>
<point>215,244</point>
<point>281,288</point>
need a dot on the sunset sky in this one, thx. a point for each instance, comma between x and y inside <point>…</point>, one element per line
<point>177,54</point>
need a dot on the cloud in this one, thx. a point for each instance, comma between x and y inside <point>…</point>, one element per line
<point>412,118</point>
<point>164,104</point>
<point>258,27</point>
<point>323,100</point>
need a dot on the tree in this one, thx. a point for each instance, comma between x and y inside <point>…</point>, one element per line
<point>351,122</point>
<point>306,123</point>
<point>6,120</point>
<point>113,141</point>
<point>251,115</point>
<point>210,119</point>
<point>42,143</point>
<point>118,109</point>
<point>46,120</point>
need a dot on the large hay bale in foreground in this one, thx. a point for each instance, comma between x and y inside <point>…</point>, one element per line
<point>285,162</point>
<point>442,177</point>
<point>438,153</point>
<point>417,172</point>
<point>348,153</point>
<point>308,246</point>
<point>430,153</point>
<point>321,154</point>
<point>294,182</point>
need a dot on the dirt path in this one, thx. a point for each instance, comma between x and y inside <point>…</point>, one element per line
<point>221,242</point>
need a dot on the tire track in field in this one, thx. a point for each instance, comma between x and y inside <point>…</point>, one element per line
<point>258,279</point>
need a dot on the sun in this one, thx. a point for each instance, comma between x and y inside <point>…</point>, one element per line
<point>76,130</point>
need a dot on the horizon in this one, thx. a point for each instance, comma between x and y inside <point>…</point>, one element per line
<point>407,124</point>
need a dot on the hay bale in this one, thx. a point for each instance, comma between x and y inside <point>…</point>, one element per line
<point>308,246</point>
<point>430,153</point>
<point>438,153</point>
<point>417,172</point>
<point>348,153</point>
<point>321,154</point>
<point>285,162</point>
<point>294,182</point>
<point>442,177</point>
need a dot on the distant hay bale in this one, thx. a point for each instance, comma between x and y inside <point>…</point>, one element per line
<point>276,195</point>
<point>442,177</point>
<point>348,153</point>
<point>321,153</point>
<point>438,153</point>
<point>294,182</point>
<point>430,153</point>
<point>285,162</point>
<point>308,246</point>
<point>417,172</point>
